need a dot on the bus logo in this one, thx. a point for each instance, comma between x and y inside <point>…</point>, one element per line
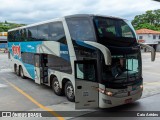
<point>16,49</point>
<point>63,52</point>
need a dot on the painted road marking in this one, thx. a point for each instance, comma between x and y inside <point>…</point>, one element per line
<point>5,70</point>
<point>34,101</point>
<point>2,85</point>
<point>151,83</point>
<point>153,73</point>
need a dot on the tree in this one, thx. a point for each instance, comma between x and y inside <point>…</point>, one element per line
<point>5,28</point>
<point>5,22</point>
<point>1,30</point>
<point>149,20</point>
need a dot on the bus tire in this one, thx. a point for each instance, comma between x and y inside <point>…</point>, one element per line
<point>15,68</point>
<point>56,86</point>
<point>21,72</point>
<point>17,71</point>
<point>69,91</point>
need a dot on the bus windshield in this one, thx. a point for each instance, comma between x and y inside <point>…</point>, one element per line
<point>114,32</point>
<point>124,68</point>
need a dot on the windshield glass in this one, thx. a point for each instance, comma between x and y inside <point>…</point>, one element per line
<point>124,68</point>
<point>114,32</point>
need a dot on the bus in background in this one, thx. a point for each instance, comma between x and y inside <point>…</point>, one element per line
<point>94,60</point>
<point>3,41</point>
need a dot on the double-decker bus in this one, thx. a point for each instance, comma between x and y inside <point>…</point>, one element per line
<point>93,60</point>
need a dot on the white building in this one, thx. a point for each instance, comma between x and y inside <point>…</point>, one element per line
<point>3,36</point>
<point>3,41</point>
<point>149,37</point>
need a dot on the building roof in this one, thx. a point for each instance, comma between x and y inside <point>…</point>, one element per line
<point>147,31</point>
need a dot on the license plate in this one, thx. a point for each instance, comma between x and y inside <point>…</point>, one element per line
<point>128,101</point>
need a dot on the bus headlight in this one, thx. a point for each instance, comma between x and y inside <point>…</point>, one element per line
<point>105,92</point>
<point>101,90</point>
<point>108,93</point>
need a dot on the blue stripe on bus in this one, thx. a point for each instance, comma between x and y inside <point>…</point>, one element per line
<point>25,47</point>
<point>80,42</point>
<point>64,52</point>
<point>30,70</point>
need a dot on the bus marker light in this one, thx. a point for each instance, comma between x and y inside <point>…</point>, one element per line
<point>101,90</point>
<point>109,93</point>
<point>105,92</point>
<point>141,86</point>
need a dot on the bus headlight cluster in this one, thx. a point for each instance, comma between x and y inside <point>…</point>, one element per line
<point>105,92</point>
<point>109,93</point>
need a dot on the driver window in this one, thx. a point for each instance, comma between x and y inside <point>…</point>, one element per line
<point>118,67</point>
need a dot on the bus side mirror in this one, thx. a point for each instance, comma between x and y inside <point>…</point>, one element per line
<point>106,52</point>
<point>153,53</point>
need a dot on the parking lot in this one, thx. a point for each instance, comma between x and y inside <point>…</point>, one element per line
<point>24,95</point>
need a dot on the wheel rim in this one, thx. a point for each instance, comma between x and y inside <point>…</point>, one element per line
<point>56,86</point>
<point>70,92</point>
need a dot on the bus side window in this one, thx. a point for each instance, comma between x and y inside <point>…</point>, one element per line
<point>80,29</point>
<point>56,32</point>
<point>32,33</point>
<point>43,31</point>
<point>23,34</point>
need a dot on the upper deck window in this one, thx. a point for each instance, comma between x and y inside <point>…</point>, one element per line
<point>43,32</point>
<point>80,29</point>
<point>52,31</point>
<point>32,33</point>
<point>56,32</point>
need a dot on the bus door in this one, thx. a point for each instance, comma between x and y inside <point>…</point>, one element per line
<point>86,94</point>
<point>41,68</point>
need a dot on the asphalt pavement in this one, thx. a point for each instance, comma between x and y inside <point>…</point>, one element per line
<point>133,111</point>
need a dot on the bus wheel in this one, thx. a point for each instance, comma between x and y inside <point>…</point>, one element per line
<point>21,73</point>
<point>15,68</point>
<point>56,87</point>
<point>69,91</point>
<point>17,71</point>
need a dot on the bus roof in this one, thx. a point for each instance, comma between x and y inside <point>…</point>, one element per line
<point>35,24</point>
<point>91,15</point>
<point>60,19</point>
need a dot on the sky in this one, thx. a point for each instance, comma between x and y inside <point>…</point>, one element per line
<point>32,11</point>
